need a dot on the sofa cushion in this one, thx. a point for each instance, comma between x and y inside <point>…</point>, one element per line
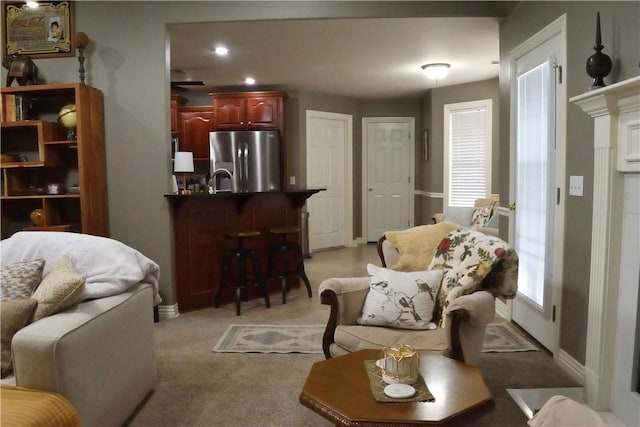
<point>60,289</point>
<point>417,245</point>
<point>18,280</point>
<point>356,337</point>
<point>466,256</point>
<point>400,299</point>
<point>14,315</point>
<point>461,215</point>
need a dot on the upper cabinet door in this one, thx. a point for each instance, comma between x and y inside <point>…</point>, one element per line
<point>249,110</point>
<point>264,112</point>
<point>194,129</point>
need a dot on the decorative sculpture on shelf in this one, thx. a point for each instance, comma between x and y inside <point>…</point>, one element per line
<point>599,64</point>
<point>82,41</point>
<point>21,68</point>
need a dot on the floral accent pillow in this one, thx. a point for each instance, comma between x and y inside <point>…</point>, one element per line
<point>400,299</point>
<point>466,256</point>
<point>481,216</point>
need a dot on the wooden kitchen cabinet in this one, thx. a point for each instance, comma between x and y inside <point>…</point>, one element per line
<point>36,152</point>
<point>176,102</point>
<point>249,110</point>
<point>194,125</point>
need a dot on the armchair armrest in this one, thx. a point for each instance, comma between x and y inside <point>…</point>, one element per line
<point>437,217</point>
<point>346,298</point>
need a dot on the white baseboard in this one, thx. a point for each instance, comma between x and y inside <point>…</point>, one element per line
<point>571,366</point>
<point>168,311</point>
<point>503,309</point>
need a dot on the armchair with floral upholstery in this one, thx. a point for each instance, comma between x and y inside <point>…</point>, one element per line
<point>474,268</point>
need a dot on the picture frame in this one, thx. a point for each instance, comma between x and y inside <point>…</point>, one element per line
<point>45,31</point>
<point>425,144</point>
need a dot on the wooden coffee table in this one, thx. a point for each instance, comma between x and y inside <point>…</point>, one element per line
<point>338,389</point>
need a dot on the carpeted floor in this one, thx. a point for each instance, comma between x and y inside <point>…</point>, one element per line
<point>197,387</point>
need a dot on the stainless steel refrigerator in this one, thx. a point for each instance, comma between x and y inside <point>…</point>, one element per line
<point>251,158</point>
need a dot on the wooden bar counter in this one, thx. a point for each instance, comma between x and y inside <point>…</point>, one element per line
<point>200,222</point>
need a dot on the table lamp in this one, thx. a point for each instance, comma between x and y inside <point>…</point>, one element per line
<point>183,163</point>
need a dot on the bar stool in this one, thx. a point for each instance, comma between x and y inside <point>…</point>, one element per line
<point>282,249</point>
<point>241,255</point>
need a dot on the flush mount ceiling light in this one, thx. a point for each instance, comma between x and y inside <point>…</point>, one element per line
<point>250,81</point>
<point>221,51</point>
<point>32,4</point>
<point>436,71</point>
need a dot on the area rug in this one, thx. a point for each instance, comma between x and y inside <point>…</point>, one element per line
<point>503,338</point>
<point>271,339</point>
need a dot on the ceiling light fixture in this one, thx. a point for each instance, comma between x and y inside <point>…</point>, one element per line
<point>32,4</point>
<point>436,71</point>
<point>250,81</point>
<point>221,51</point>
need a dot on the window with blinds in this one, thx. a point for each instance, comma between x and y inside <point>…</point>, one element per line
<point>467,166</point>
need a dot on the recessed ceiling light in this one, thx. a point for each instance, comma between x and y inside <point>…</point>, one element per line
<point>436,71</point>
<point>221,50</point>
<point>250,81</point>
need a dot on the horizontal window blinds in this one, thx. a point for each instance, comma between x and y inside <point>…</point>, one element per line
<point>468,156</point>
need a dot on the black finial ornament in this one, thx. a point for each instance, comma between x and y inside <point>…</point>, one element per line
<point>599,64</point>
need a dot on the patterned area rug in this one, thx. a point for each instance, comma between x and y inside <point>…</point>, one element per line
<point>500,337</point>
<point>503,338</point>
<point>271,339</point>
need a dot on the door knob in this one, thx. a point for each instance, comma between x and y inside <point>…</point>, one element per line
<point>512,206</point>
<point>370,189</point>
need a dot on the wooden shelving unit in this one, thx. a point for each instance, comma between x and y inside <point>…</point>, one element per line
<point>36,152</point>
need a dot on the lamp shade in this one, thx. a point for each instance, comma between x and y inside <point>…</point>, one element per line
<point>436,71</point>
<point>183,161</point>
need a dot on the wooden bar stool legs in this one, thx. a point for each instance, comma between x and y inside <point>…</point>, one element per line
<point>239,257</point>
<point>280,251</point>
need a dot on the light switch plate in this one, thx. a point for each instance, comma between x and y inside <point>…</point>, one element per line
<point>292,180</point>
<point>576,185</point>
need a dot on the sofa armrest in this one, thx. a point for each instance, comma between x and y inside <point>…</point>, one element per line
<point>346,298</point>
<point>100,355</point>
<point>466,321</point>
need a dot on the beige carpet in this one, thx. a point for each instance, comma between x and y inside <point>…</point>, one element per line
<point>198,388</point>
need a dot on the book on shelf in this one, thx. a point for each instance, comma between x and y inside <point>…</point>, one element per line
<point>16,107</point>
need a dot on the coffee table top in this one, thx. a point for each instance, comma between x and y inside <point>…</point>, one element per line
<point>339,390</point>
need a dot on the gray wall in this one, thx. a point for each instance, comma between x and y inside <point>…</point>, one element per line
<point>430,176</point>
<point>620,35</point>
<point>127,60</point>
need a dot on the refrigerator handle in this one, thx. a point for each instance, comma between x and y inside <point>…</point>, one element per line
<point>239,172</point>
<point>245,172</point>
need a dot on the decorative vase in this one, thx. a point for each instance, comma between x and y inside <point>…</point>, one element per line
<point>599,64</point>
<point>37,217</point>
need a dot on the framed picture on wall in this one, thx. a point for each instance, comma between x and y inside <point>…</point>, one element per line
<point>45,31</point>
<point>425,144</point>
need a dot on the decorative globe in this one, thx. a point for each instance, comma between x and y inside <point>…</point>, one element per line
<point>68,118</point>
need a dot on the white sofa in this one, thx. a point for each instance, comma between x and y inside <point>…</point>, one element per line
<point>99,354</point>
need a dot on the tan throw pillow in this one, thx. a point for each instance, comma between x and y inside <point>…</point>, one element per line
<point>60,289</point>
<point>18,280</point>
<point>417,245</point>
<point>14,315</point>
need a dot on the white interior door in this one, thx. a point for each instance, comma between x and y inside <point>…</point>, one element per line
<point>389,177</point>
<point>537,179</point>
<point>329,166</point>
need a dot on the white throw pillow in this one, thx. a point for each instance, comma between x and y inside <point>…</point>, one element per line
<point>400,299</point>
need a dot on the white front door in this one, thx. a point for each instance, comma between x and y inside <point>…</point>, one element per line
<point>538,142</point>
<point>329,166</point>
<point>388,144</point>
